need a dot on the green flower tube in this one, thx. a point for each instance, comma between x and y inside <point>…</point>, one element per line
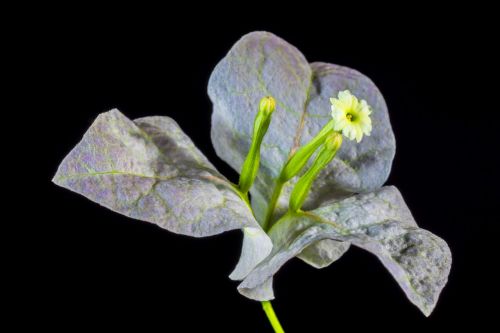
<point>326,154</point>
<point>294,165</point>
<point>302,155</point>
<point>250,167</point>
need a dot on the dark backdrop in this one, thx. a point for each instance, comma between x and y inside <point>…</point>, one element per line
<point>88,267</point>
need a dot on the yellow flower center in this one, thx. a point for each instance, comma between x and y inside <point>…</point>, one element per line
<point>349,116</point>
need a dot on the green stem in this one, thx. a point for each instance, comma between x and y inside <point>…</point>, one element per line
<point>272,204</point>
<point>273,319</point>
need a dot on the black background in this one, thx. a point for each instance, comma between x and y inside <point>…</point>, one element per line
<point>85,267</point>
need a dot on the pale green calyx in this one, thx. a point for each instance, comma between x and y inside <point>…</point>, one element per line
<point>351,116</point>
<point>262,120</point>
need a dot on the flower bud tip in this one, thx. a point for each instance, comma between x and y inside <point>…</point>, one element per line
<point>267,105</point>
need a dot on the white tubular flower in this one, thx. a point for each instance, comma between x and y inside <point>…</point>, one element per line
<point>351,116</point>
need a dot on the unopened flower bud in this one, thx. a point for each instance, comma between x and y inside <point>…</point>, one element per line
<point>267,105</point>
<point>261,124</point>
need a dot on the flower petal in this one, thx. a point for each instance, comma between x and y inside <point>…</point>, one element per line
<point>359,134</point>
<point>346,98</point>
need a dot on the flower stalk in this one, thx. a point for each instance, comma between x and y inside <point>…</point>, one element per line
<point>271,315</point>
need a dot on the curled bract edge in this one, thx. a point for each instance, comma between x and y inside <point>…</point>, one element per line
<point>379,222</point>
